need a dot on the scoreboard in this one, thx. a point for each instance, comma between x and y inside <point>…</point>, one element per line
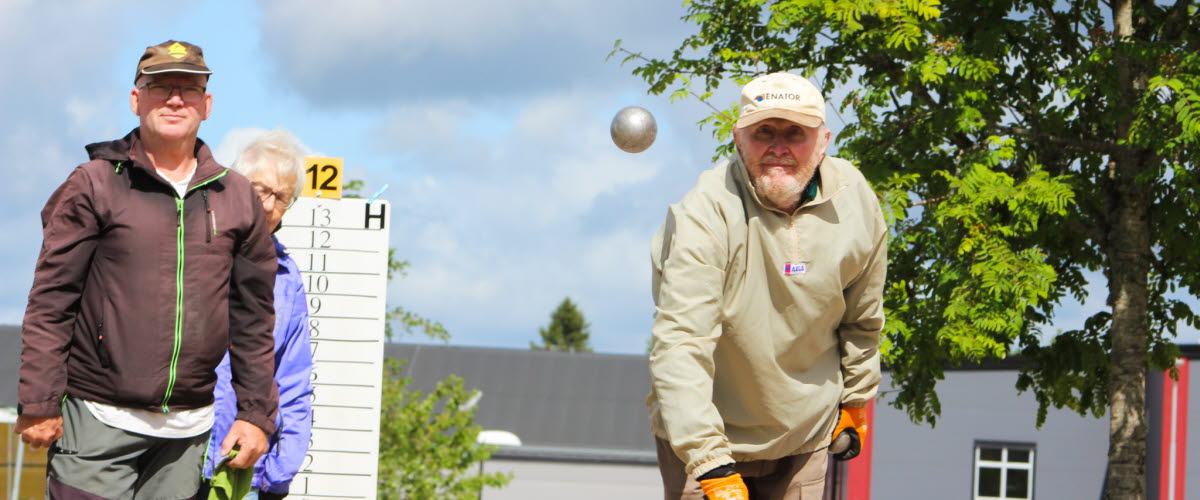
<point>341,247</point>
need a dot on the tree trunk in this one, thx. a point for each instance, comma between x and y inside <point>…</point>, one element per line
<point>1129,245</point>
<point>1129,252</point>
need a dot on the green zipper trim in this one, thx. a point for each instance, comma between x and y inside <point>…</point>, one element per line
<point>178,304</point>
<point>179,294</point>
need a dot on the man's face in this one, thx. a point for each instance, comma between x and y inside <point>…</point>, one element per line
<point>781,156</point>
<point>171,105</point>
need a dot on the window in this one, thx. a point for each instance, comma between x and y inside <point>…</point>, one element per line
<point>1003,471</point>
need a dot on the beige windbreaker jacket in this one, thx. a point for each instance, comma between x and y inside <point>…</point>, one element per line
<point>749,363</point>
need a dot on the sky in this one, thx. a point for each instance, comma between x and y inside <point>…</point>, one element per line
<point>487,120</point>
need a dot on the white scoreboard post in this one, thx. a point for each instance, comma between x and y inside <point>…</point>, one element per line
<point>341,247</point>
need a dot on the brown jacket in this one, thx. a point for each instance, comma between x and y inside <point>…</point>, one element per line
<point>138,293</point>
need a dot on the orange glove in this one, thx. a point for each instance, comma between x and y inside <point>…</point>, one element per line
<point>851,419</point>
<point>725,488</point>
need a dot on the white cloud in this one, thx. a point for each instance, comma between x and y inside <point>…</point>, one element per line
<point>557,211</point>
<point>54,95</point>
<point>237,140</point>
<point>364,53</point>
<point>577,182</point>
<point>438,239</point>
<point>429,125</point>
<point>233,143</point>
<point>508,193</point>
<point>492,133</point>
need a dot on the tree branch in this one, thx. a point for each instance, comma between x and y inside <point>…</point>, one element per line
<point>1176,21</point>
<point>638,55</point>
<point>930,200</point>
<point>1086,145</point>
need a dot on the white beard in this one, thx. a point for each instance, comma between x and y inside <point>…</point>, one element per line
<point>781,189</point>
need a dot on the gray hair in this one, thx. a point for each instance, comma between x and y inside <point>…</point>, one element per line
<point>277,149</point>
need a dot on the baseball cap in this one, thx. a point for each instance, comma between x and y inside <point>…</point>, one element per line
<point>781,95</point>
<point>172,56</point>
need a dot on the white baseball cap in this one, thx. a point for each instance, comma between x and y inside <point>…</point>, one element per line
<point>782,95</point>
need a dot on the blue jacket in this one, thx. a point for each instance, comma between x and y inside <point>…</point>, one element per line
<point>293,370</point>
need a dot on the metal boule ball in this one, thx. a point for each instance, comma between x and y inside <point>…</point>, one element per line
<point>633,129</point>
<point>841,444</point>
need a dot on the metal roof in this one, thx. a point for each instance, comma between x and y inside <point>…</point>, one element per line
<point>575,405</point>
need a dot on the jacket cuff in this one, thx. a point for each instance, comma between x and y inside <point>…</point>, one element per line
<point>52,408</point>
<point>259,420</point>
<point>276,488</point>
<point>705,467</point>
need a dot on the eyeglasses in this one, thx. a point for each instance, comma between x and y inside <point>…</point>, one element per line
<point>767,134</point>
<point>189,93</point>
<point>265,193</point>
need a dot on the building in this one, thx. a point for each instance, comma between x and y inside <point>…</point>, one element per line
<point>21,467</point>
<point>581,421</point>
<point>580,417</point>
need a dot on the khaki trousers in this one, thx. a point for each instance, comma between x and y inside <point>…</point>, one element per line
<point>798,477</point>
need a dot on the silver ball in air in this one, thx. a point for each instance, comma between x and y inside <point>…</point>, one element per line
<point>633,129</point>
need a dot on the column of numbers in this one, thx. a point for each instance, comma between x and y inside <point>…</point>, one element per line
<point>344,265</point>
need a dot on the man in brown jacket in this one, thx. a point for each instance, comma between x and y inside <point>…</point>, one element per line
<point>155,260</point>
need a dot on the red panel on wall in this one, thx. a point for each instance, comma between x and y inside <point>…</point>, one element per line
<point>858,470</point>
<point>1172,475</point>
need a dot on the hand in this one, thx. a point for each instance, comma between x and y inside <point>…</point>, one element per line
<point>725,488</point>
<point>251,441</point>
<point>39,432</point>
<point>849,433</point>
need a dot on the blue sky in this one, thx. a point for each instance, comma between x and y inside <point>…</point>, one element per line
<point>488,120</point>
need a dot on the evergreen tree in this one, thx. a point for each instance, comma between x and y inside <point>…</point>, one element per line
<point>567,332</point>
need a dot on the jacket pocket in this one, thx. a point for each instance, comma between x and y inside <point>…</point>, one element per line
<point>101,347</point>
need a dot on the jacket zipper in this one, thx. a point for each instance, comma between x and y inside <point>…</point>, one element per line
<point>101,351</point>
<point>795,240</point>
<point>792,230</point>
<point>210,222</point>
<point>179,289</point>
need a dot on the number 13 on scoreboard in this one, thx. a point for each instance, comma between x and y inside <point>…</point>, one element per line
<point>322,177</point>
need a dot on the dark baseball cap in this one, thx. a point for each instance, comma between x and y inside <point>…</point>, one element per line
<point>172,57</point>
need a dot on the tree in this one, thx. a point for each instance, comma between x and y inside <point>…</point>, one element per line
<point>1018,147</point>
<point>427,443</point>
<point>567,331</point>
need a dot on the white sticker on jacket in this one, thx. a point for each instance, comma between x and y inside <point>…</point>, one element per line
<point>790,269</point>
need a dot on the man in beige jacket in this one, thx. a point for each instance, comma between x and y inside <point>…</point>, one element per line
<point>768,283</point>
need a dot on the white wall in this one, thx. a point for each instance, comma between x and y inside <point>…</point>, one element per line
<point>534,480</point>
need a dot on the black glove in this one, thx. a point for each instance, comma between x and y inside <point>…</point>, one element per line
<point>722,471</point>
<point>847,445</point>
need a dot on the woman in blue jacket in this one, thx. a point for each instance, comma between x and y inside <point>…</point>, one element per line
<point>275,166</point>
